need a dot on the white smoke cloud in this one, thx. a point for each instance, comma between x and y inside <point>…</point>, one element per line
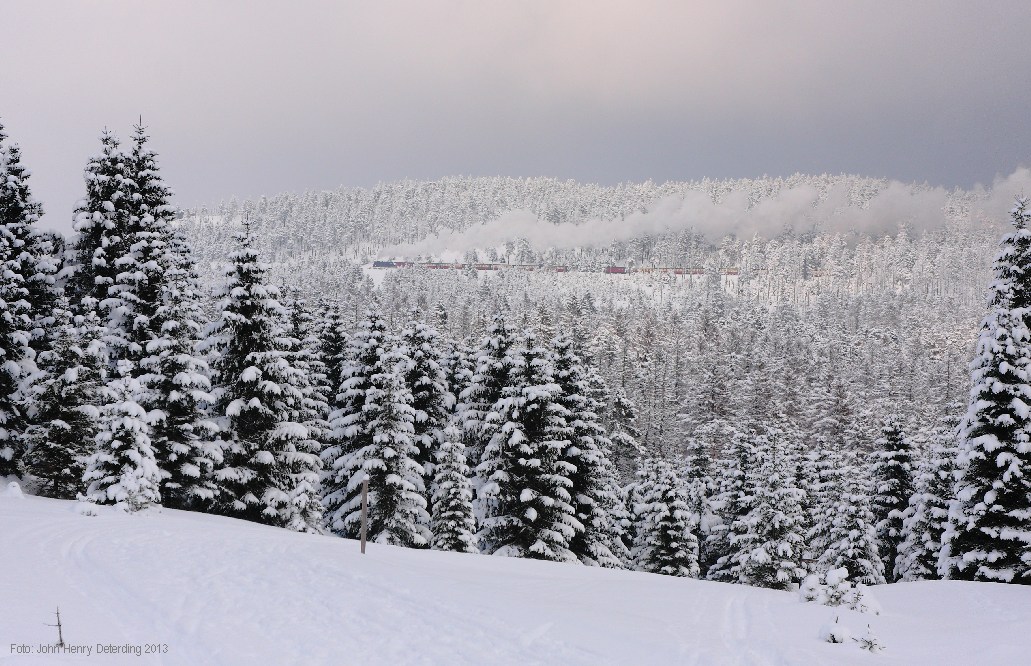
<point>800,208</point>
<point>996,203</point>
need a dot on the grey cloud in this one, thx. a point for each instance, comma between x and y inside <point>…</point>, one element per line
<point>248,97</point>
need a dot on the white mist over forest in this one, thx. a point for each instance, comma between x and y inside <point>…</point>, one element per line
<point>801,208</point>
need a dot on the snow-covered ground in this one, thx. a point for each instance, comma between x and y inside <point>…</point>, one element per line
<point>214,590</point>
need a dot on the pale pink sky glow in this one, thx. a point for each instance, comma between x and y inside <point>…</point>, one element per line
<point>259,97</point>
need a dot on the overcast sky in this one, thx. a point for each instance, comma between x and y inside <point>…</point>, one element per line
<point>250,97</point>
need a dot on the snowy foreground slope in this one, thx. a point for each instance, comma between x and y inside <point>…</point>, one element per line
<point>222,591</point>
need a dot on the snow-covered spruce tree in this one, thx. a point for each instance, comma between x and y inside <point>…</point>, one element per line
<point>831,423</point>
<point>308,408</point>
<point>731,503</point>
<point>929,507</point>
<point>386,456</point>
<point>485,388</point>
<point>622,516</point>
<point>65,396</point>
<point>333,341</point>
<point>267,474</point>
<point>350,424</point>
<point>307,357</point>
<point>31,252</point>
<point>524,485</point>
<point>851,532</point>
<point>138,252</point>
<point>16,210</point>
<point>989,531</point>
<point>598,389</point>
<point>809,461</point>
<point>767,542</point>
<point>452,522</point>
<point>122,471</point>
<point>157,292</point>
<point>442,320</point>
<point>459,369</point>
<point>630,495</point>
<point>127,285</point>
<point>45,253</point>
<point>698,473</point>
<point>891,470</point>
<point>176,377</point>
<point>700,489</point>
<point>594,488</point>
<point>664,542</point>
<point>624,435</point>
<point>432,400</point>
<point>100,220</point>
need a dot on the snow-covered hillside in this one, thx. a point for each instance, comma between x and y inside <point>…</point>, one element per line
<point>222,591</point>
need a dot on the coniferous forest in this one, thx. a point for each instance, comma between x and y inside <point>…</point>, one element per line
<point>807,401</point>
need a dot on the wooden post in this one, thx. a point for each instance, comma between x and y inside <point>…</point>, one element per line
<point>60,635</point>
<point>365,511</point>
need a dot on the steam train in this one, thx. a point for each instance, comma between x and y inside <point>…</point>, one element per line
<point>611,270</point>
<point>462,266</point>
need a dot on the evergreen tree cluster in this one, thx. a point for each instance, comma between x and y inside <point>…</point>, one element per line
<point>121,384</point>
<point>118,389</point>
<point>775,506</point>
<point>905,501</point>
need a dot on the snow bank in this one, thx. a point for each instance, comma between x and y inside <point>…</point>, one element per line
<point>211,590</point>
<point>13,490</point>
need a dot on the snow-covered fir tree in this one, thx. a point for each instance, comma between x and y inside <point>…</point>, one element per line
<point>767,542</point>
<point>65,399</point>
<point>849,524</point>
<point>892,474</point>
<point>929,507</point>
<point>593,479</point>
<point>809,463</point>
<point>30,253</point>
<point>830,422</point>
<point>268,474</point>
<point>158,292</point>
<point>624,435</point>
<point>989,531</point>
<point>524,484</point>
<point>101,219</point>
<point>452,522</point>
<point>176,377</point>
<point>309,408</point>
<point>122,471</point>
<point>137,254</point>
<point>700,489</point>
<point>373,437</point>
<point>731,504</point>
<point>17,212</point>
<point>349,423</point>
<point>664,541</point>
<point>333,336</point>
<point>491,376</point>
<point>459,369</point>
<point>387,458</point>
<point>432,399</point>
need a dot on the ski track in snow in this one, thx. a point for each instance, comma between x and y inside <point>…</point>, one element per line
<point>221,591</point>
